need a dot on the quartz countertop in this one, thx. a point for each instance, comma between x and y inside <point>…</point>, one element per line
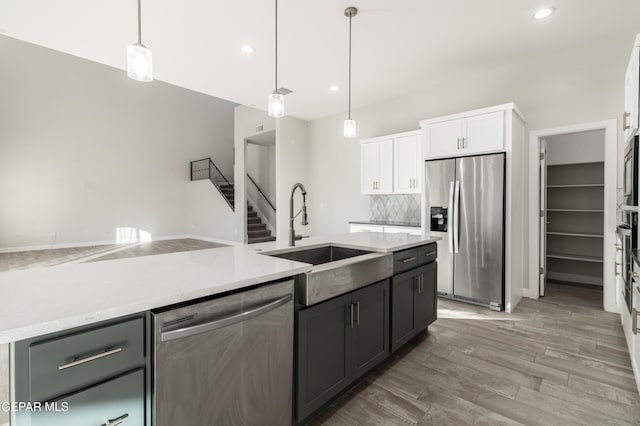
<point>386,223</point>
<point>46,300</point>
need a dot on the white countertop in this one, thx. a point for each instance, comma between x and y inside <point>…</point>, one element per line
<point>45,300</point>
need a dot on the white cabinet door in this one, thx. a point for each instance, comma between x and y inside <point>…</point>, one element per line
<point>484,133</point>
<point>377,167</point>
<point>631,89</point>
<point>385,174</point>
<point>370,159</point>
<point>406,161</point>
<point>356,227</point>
<point>444,138</point>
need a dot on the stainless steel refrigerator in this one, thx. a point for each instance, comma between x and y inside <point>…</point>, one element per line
<point>465,200</point>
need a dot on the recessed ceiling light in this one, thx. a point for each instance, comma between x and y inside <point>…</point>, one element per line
<point>544,13</point>
<point>334,88</point>
<point>247,49</point>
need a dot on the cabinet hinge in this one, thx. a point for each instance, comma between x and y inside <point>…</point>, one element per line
<point>541,213</point>
<point>541,271</point>
<point>542,155</point>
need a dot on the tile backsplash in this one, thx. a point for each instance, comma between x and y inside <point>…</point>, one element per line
<point>396,208</point>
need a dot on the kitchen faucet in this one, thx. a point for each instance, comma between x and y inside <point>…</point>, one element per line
<point>303,210</point>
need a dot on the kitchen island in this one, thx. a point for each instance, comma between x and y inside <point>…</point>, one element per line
<point>52,300</point>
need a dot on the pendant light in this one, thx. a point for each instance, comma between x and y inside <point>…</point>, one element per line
<point>139,62</point>
<point>276,99</point>
<point>349,124</point>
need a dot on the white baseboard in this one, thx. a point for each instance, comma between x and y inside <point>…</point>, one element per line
<point>111,242</point>
<point>530,293</point>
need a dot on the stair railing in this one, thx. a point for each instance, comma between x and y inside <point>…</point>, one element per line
<point>206,168</point>
<point>261,192</point>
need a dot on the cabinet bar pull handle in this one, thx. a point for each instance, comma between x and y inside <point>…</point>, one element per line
<point>421,283</point>
<point>463,141</point>
<point>458,143</point>
<point>625,126</point>
<point>81,361</point>
<point>357,313</point>
<point>634,320</point>
<point>116,421</point>
<point>431,253</point>
<point>615,268</point>
<point>411,259</point>
<point>351,307</point>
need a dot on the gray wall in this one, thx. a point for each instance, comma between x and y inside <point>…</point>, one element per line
<point>85,151</point>
<point>582,84</point>
<point>580,147</point>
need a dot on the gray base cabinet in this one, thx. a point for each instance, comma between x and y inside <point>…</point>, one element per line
<point>119,401</point>
<point>91,375</point>
<point>338,342</point>
<point>413,303</point>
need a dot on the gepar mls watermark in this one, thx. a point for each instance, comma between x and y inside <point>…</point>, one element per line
<point>21,406</point>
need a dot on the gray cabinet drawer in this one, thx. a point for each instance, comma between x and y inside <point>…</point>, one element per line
<point>405,260</point>
<point>428,253</point>
<point>120,398</point>
<point>67,363</point>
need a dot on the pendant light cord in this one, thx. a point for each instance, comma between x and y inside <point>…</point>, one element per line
<point>350,16</point>
<point>275,90</point>
<point>139,22</point>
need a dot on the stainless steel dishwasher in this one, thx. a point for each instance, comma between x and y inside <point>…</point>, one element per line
<point>226,361</point>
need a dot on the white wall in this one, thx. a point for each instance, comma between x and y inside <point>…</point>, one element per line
<point>292,167</point>
<point>580,147</point>
<point>582,84</point>
<point>85,151</point>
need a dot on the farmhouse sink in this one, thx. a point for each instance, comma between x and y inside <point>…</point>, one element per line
<point>337,270</point>
<point>320,255</point>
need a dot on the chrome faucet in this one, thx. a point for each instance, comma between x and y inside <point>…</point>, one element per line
<point>292,232</point>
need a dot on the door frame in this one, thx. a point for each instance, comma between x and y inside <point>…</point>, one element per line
<point>542,231</point>
<point>610,184</point>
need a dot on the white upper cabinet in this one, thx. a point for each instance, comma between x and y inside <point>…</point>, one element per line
<point>406,164</point>
<point>391,164</point>
<point>484,133</point>
<point>631,93</point>
<point>474,134</point>
<point>444,138</point>
<point>377,167</point>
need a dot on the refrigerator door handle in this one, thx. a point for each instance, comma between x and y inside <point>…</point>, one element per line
<point>450,228</point>
<point>456,218</point>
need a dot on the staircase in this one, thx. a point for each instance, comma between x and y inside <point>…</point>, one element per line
<point>257,231</point>
<point>228,192</point>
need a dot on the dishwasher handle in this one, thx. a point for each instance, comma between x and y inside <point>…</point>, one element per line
<point>226,321</point>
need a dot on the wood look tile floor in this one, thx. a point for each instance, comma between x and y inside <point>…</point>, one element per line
<point>559,360</point>
<point>45,258</point>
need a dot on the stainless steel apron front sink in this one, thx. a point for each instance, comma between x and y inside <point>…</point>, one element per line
<point>337,270</point>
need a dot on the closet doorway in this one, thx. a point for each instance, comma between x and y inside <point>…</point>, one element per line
<point>575,194</point>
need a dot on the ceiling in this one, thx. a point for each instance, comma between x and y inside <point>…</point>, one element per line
<point>399,46</point>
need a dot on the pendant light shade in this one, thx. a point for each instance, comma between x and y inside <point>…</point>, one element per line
<point>276,100</point>
<point>139,59</point>
<point>276,105</point>
<point>349,128</point>
<point>139,63</point>
<point>349,123</point>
